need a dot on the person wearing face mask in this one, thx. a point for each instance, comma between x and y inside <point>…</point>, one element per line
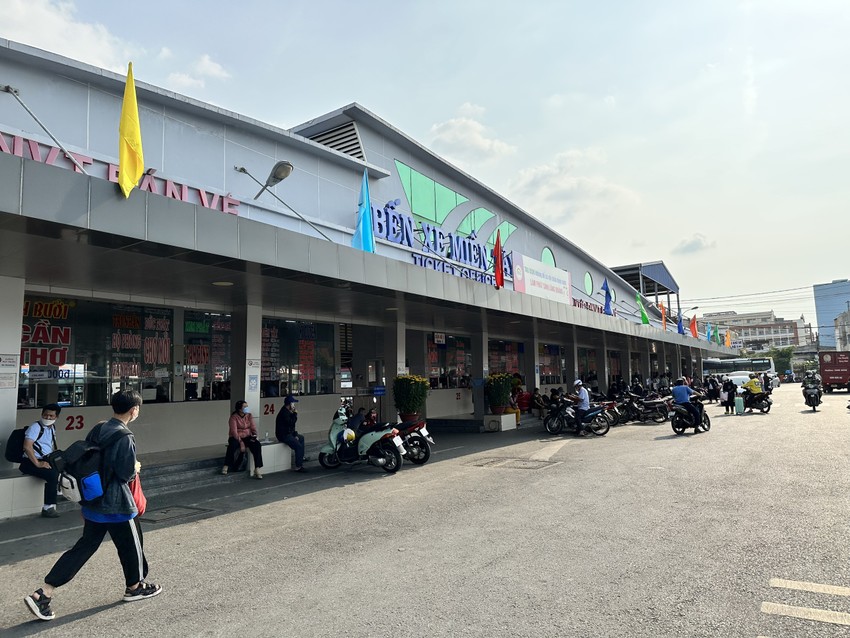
<point>243,434</point>
<point>115,513</point>
<point>39,441</point>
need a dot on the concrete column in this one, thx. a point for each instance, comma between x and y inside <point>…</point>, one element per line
<point>178,385</point>
<point>337,360</point>
<point>246,357</point>
<point>11,316</point>
<point>480,367</point>
<point>534,377</point>
<point>364,350</point>
<point>573,375</point>
<point>676,368</point>
<point>602,364</point>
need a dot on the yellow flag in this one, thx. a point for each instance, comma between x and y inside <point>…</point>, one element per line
<point>131,159</point>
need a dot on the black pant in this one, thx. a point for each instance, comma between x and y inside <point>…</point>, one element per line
<point>296,442</point>
<point>233,450</point>
<point>127,538</point>
<point>48,475</point>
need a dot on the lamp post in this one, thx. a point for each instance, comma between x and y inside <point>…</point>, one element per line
<point>280,171</point>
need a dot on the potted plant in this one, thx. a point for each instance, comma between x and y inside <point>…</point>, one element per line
<point>498,391</point>
<point>409,394</point>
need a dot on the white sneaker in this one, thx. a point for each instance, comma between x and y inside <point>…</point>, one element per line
<point>224,470</point>
<point>257,473</point>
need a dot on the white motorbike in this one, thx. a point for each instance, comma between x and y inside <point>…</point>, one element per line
<point>382,448</point>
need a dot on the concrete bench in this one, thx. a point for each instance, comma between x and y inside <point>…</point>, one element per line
<point>277,457</point>
<point>499,422</point>
<point>20,495</point>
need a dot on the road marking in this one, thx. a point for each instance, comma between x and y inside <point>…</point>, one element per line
<point>548,452</point>
<point>812,587</point>
<point>448,449</point>
<point>806,613</point>
<point>30,536</point>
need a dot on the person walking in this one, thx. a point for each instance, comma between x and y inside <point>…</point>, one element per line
<point>114,513</point>
<point>39,442</point>
<point>242,435</point>
<point>731,391</point>
<point>284,429</point>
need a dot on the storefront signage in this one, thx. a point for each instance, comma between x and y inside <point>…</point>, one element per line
<point>533,277</point>
<point>8,363</point>
<point>52,156</point>
<point>440,338</point>
<point>453,253</point>
<point>587,305</point>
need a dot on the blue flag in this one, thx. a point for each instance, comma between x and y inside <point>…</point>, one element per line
<point>364,236</point>
<point>708,332</point>
<point>680,327</point>
<point>607,297</point>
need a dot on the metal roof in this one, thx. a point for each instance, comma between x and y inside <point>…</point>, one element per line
<point>654,271</point>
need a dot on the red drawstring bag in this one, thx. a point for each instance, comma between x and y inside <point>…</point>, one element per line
<point>135,486</point>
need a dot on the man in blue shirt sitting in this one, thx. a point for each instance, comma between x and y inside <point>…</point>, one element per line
<point>682,396</point>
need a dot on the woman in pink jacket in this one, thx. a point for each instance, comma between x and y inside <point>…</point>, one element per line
<point>243,434</point>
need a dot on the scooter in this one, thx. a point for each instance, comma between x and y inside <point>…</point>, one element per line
<point>681,418</point>
<point>382,447</point>
<point>811,392</point>
<point>562,415</point>
<point>640,409</point>
<point>760,401</point>
<point>416,439</point>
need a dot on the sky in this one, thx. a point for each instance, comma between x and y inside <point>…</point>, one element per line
<point>710,135</point>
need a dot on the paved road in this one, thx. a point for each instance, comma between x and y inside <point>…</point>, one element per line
<point>641,533</point>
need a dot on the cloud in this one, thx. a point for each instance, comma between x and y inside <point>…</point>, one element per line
<point>183,81</point>
<point>695,244</point>
<point>164,54</point>
<point>470,110</point>
<point>53,26</point>
<point>465,138</point>
<point>562,190</point>
<point>206,67</point>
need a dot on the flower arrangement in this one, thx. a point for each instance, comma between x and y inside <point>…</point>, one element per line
<point>498,388</point>
<point>409,393</point>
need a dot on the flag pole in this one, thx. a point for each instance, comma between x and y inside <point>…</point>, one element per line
<point>14,93</point>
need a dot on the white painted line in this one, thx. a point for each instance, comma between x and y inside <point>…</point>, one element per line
<point>806,613</point>
<point>817,588</point>
<point>548,452</point>
<point>448,449</point>
<point>50,533</point>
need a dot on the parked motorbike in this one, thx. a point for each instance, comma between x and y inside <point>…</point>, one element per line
<point>638,409</point>
<point>417,441</point>
<point>681,418</point>
<point>382,447</point>
<point>760,401</point>
<point>811,392</point>
<point>562,415</point>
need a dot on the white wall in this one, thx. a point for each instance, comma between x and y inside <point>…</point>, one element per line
<point>450,402</point>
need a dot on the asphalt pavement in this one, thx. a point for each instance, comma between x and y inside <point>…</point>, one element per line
<point>740,531</point>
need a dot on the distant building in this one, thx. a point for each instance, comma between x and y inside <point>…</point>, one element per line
<point>830,301</point>
<point>842,331</point>
<point>760,331</point>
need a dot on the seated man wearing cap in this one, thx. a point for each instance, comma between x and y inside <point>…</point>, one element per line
<point>284,429</point>
<point>582,400</point>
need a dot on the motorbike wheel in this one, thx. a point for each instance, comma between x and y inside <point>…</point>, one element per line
<point>394,459</point>
<point>766,410</point>
<point>659,416</point>
<point>599,426</point>
<point>705,426</point>
<point>418,450</point>
<point>329,461</point>
<point>814,406</point>
<point>553,425</point>
<point>678,428</point>
<point>610,419</point>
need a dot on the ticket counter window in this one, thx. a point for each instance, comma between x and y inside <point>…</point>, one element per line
<point>449,361</point>
<point>587,365</point>
<point>297,358</point>
<point>551,364</point>
<point>503,356</point>
<point>78,352</point>
<point>206,356</point>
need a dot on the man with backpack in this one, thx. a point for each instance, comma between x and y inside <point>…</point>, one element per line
<point>115,512</point>
<point>39,442</point>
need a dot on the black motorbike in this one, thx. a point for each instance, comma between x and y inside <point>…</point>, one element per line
<point>636,408</point>
<point>812,394</point>
<point>681,418</point>
<point>562,416</point>
<point>760,401</point>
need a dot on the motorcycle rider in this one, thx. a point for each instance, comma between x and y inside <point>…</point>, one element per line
<point>582,401</point>
<point>812,379</point>
<point>682,396</point>
<point>751,389</point>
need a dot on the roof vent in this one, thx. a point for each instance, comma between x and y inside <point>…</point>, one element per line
<point>345,139</point>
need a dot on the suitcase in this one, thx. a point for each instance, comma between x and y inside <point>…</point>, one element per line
<point>739,405</point>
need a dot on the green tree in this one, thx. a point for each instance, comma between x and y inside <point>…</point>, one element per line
<point>781,358</point>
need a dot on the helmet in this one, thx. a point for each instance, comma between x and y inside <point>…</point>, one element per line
<point>680,381</point>
<point>752,375</point>
<point>348,435</point>
<point>577,382</point>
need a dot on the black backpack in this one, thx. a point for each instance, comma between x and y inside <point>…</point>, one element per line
<point>14,451</point>
<point>82,477</point>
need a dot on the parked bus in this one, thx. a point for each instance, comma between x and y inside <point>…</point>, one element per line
<point>726,366</point>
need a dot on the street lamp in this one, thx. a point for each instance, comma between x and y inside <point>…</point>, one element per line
<point>280,171</point>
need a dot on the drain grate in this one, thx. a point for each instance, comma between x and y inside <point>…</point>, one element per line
<point>514,464</point>
<point>171,513</point>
